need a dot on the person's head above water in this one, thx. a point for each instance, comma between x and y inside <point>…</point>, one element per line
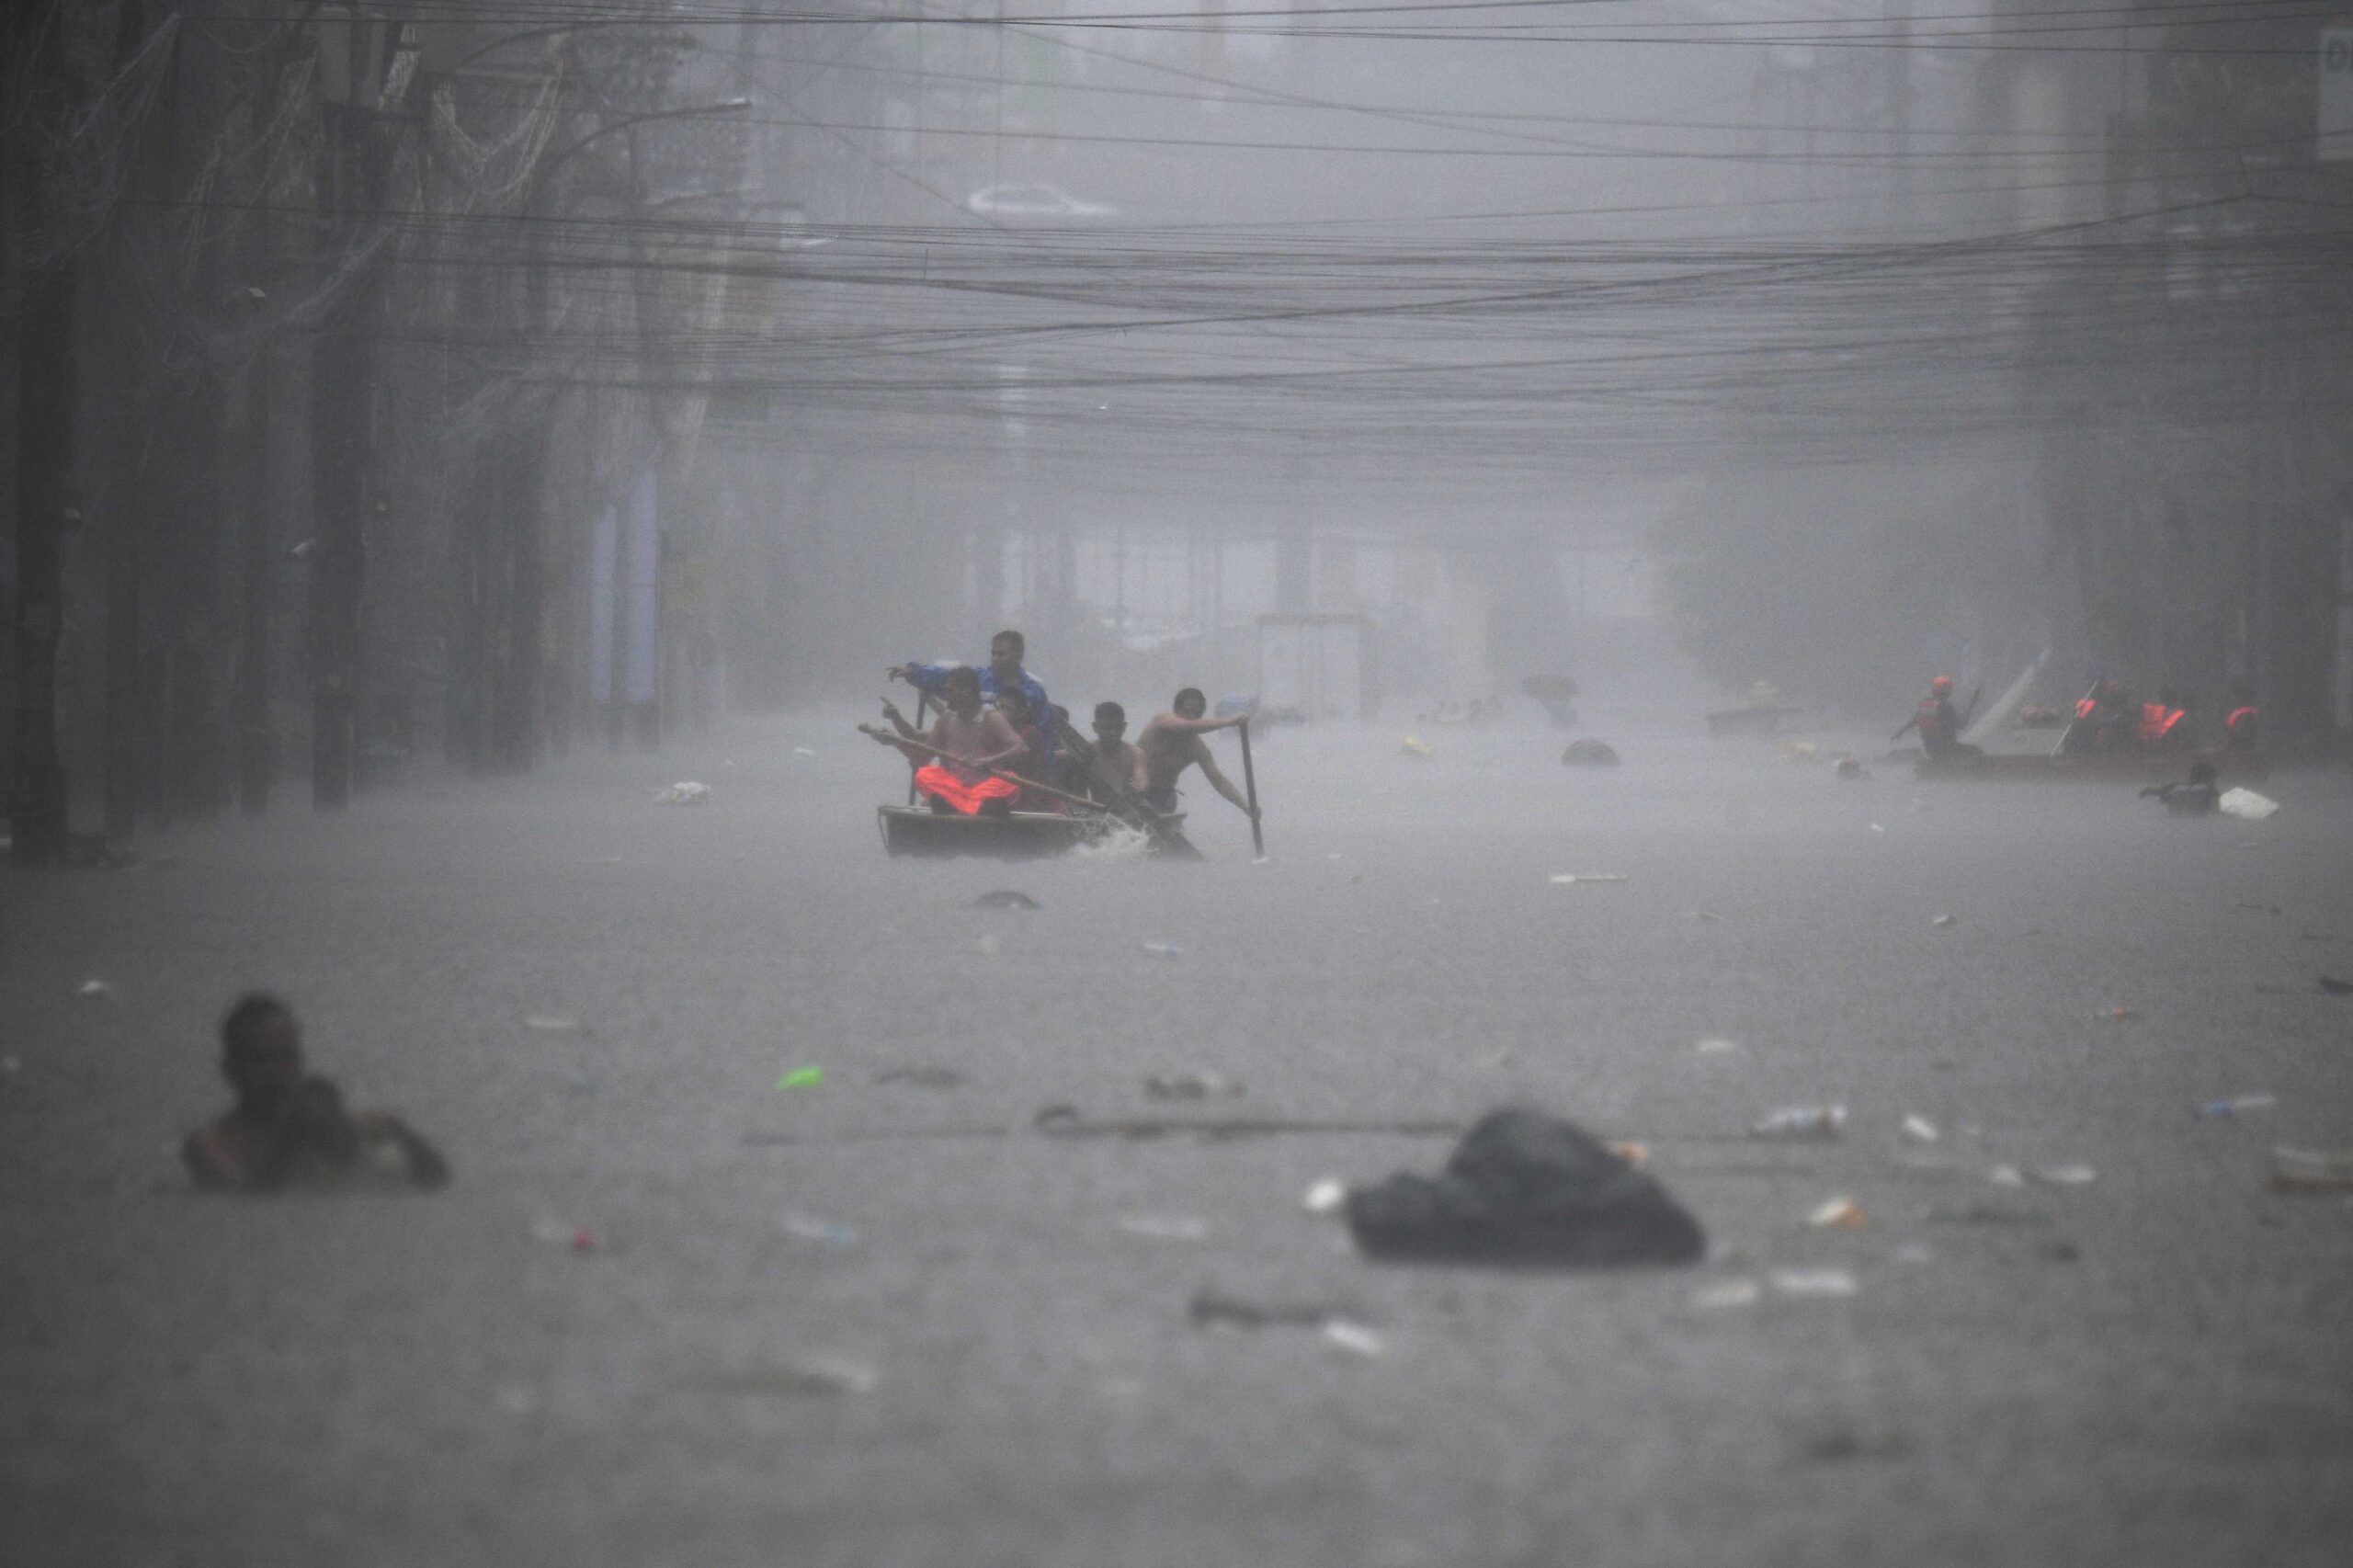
<point>261,1052</point>
<point>960,690</point>
<point>1190,703</point>
<point>1006,650</point>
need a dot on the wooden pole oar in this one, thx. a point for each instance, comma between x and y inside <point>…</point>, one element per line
<point>1250,789</point>
<point>922,697</point>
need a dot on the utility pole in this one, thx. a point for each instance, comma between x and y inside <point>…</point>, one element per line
<point>44,455</point>
<point>343,373</point>
<point>1899,104</point>
<point>256,743</point>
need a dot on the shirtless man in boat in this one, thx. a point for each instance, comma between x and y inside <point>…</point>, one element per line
<point>1172,742</point>
<point>975,739</point>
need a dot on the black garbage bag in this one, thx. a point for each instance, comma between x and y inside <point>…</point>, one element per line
<point>1526,1189</point>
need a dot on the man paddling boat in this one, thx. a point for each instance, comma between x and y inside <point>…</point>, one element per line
<point>1172,742</point>
<point>970,740</point>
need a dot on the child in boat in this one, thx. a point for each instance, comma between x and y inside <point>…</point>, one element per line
<point>1030,765</point>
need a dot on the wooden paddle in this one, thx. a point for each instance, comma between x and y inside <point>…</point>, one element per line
<point>1250,789</point>
<point>922,697</point>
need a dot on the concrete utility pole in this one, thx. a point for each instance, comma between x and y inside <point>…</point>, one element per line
<point>44,457</point>
<point>343,377</point>
<point>1899,104</point>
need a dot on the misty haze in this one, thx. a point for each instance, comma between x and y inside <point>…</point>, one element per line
<point>1081,784</point>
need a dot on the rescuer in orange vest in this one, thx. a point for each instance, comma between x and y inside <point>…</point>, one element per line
<point>2161,723</point>
<point>1938,725</point>
<point>2242,726</point>
<point>2104,719</point>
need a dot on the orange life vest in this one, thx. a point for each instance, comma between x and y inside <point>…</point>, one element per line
<point>2085,707</point>
<point>2157,721</point>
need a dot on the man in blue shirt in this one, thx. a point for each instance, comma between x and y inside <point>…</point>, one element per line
<point>1004,670</point>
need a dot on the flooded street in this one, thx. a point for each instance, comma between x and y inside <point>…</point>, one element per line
<point>672,1313</point>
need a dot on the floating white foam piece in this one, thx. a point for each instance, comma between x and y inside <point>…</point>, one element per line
<point>2062,1176</point>
<point>2244,802</point>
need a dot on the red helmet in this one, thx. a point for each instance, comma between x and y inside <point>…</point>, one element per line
<point>1941,686</point>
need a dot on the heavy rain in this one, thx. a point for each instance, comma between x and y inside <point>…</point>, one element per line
<point>1091,784</point>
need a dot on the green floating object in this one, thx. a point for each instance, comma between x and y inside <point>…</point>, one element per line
<point>801,1078</point>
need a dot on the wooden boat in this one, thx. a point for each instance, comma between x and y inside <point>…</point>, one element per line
<point>1021,835</point>
<point>2130,767</point>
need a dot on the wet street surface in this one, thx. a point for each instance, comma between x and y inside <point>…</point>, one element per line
<point>671,1314</point>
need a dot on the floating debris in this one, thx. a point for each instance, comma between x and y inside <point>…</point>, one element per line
<point>2223,1111</point>
<point>686,792</point>
<point>1354,1338</point>
<point>1918,1129</point>
<point>817,1377</point>
<point>1837,1214</point>
<point>801,1078</point>
<point>2312,1170</point>
<point>1191,1086</point>
<point>1006,898</point>
<point>1727,1293</point>
<point>1820,1283</point>
<point>1804,1123</point>
<point>2062,1176</point>
<point>1211,1309</point>
<point>825,1233</point>
<point>1328,1196</point>
<point>1985,1214</point>
<point>2245,804</point>
<point>1565,879</point>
